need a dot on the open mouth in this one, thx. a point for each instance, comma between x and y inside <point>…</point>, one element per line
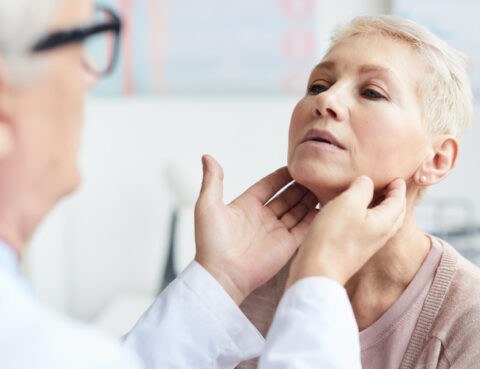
<point>323,137</point>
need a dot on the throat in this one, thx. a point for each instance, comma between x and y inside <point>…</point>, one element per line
<point>381,282</point>
<point>369,304</point>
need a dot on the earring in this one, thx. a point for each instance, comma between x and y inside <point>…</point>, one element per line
<point>423,179</point>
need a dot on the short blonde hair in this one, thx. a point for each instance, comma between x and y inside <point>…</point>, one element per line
<point>445,89</point>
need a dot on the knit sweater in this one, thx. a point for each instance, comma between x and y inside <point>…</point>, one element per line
<point>447,333</point>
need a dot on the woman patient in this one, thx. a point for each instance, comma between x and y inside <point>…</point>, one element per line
<point>388,100</point>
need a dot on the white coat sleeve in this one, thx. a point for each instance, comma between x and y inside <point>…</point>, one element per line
<point>194,324</point>
<point>314,327</point>
<point>34,336</point>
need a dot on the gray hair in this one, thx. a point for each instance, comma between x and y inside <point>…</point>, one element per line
<point>445,89</point>
<point>23,22</point>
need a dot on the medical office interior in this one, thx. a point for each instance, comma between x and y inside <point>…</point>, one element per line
<point>218,77</point>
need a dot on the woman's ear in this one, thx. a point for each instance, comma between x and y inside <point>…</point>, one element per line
<point>439,163</point>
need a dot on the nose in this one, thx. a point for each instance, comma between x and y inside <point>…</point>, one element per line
<point>331,103</point>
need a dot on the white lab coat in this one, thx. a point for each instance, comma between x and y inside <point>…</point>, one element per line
<point>192,324</point>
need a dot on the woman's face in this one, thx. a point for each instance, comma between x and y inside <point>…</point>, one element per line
<point>361,115</point>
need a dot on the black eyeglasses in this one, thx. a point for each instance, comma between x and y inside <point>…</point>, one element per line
<point>101,41</point>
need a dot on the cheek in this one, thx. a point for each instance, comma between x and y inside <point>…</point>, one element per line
<point>389,150</point>
<point>383,135</point>
<point>71,92</point>
<point>65,99</point>
<point>297,123</point>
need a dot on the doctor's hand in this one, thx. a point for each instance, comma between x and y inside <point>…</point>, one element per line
<point>245,243</point>
<point>346,233</point>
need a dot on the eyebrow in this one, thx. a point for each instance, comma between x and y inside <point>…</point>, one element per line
<point>368,68</point>
<point>364,69</point>
<point>325,65</point>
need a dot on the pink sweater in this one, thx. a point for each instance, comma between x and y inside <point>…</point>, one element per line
<point>447,332</point>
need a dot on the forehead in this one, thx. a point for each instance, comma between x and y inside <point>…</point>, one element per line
<point>367,54</point>
<point>73,13</point>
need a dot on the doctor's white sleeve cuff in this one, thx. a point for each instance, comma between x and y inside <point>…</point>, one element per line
<point>224,310</point>
<point>314,327</point>
<point>194,324</point>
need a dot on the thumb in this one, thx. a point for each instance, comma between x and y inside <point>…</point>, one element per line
<point>212,181</point>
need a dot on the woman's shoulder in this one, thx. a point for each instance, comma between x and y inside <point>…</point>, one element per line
<point>456,283</point>
<point>459,279</point>
<point>458,319</point>
<point>446,334</point>
<point>466,276</point>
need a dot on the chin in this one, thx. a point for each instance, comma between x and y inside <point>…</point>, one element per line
<point>324,185</point>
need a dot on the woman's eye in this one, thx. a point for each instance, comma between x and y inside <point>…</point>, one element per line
<point>316,88</point>
<point>372,94</point>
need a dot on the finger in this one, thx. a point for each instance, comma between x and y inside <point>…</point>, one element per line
<point>301,229</point>
<point>268,186</point>
<point>287,199</point>
<point>299,211</point>
<point>393,206</point>
<point>360,192</point>
<point>298,233</point>
<point>212,181</point>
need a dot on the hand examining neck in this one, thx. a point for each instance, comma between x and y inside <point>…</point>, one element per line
<point>346,233</point>
<point>245,243</point>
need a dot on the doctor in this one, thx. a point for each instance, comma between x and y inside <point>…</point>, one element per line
<point>195,322</point>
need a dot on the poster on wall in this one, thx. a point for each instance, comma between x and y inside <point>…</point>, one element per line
<point>454,21</point>
<point>213,46</point>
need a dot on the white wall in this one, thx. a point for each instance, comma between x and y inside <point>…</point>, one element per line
<point>332,13</point>
<point>110,237</point>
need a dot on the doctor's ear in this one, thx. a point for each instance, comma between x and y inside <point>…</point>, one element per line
<point>6,137</point>
<point>440,163</point>
<point>6,129</point>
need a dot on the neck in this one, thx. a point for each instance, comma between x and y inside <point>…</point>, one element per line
<point>375,287</point>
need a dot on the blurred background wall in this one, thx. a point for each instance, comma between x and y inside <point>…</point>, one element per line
<point>218,77</point>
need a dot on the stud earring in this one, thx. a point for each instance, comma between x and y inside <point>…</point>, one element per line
<point>423,179</point>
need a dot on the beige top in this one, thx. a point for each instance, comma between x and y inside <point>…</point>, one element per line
<point>447,332</point>
<point>383,344</point>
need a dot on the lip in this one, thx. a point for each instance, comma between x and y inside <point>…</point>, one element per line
<point>322,136</point>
